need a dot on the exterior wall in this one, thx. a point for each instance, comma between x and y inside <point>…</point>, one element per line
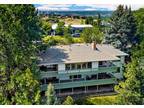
<point>94,64</point>
<point>63,75</point>
<point>61,67</point>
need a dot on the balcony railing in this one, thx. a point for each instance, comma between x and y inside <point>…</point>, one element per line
<point>89,71</point>
<point>48,74</point>
<point>82,83</point>
<point>79,71</point>
<point>87,92</point>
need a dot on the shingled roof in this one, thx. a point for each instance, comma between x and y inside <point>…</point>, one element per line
<point>76,53</point>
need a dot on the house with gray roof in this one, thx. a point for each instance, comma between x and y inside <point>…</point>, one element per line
<point>81,68</point>
<point>75,29</point>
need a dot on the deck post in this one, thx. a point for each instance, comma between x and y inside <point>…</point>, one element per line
<point>72,90</point>
<point>85,89</point>
<point>97,88</point>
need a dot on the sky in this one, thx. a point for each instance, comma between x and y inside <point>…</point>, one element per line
<point>82,7</point>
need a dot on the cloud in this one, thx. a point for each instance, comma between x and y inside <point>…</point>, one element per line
<point>53,7</point>
<point>82,7</point>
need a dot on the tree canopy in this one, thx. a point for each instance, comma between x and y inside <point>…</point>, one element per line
<point>19,25</point>
<point>68,101</point>
<point>51,97</point>
<point>131,90</point>
<point>122,33</point>
<point>92,34</point>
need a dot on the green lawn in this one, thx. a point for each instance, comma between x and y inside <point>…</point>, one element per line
<point>98,100</point>
<point>102,100</point>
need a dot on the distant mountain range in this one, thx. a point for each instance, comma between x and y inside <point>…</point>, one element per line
<point>75,9</point>
<point>78,13</point>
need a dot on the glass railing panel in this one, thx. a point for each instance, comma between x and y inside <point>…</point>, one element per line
<point>48,73</point>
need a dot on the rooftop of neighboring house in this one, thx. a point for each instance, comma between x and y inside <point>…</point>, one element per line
<point>76,53</point>
<point>54,26</point>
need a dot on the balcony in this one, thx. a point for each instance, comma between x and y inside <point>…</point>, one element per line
<point>49,74</point>
<point>85,90</point>
<point>81,83</point>
<point>90,71</point>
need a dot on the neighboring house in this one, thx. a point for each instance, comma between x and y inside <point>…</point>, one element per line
<point>81,68</point>
<point>75,29</point>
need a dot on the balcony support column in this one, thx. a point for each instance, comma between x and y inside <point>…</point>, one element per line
<point>97,88</point>
<point>72,90</point>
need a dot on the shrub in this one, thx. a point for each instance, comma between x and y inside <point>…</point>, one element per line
<point>61,40</point>
<point>69,101</point>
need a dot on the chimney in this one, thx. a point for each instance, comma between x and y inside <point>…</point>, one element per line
<point>93,45</point>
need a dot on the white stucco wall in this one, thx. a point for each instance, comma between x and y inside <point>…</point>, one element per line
<point>95,64</point>
<point>61,67</point>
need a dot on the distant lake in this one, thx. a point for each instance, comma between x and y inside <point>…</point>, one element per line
<point>78,13</point>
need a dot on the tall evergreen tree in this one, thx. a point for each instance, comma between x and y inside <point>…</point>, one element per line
<point>99,20</point>
<point>51,97</point>
<point>122,33</point>
<point>18,27</point>
<point>130,90</point>
<point>139,15</point>
<point>89,20</point>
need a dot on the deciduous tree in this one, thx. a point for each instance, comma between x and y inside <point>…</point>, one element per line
<point>92,34</point>
<point>18,82</point>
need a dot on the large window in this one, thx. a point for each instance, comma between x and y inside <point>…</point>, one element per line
<point>104,76</point>
<point>67,67</point>
<point>78,66</point>
<point>43,68</point>
<point>84,66</point>
<point>104,63</point>
<point>75,76</point>
<point>75,66</point>
<point>49,68</point>
<point>52,67</point>
<point>89,65</point>
<point>118,70</point>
